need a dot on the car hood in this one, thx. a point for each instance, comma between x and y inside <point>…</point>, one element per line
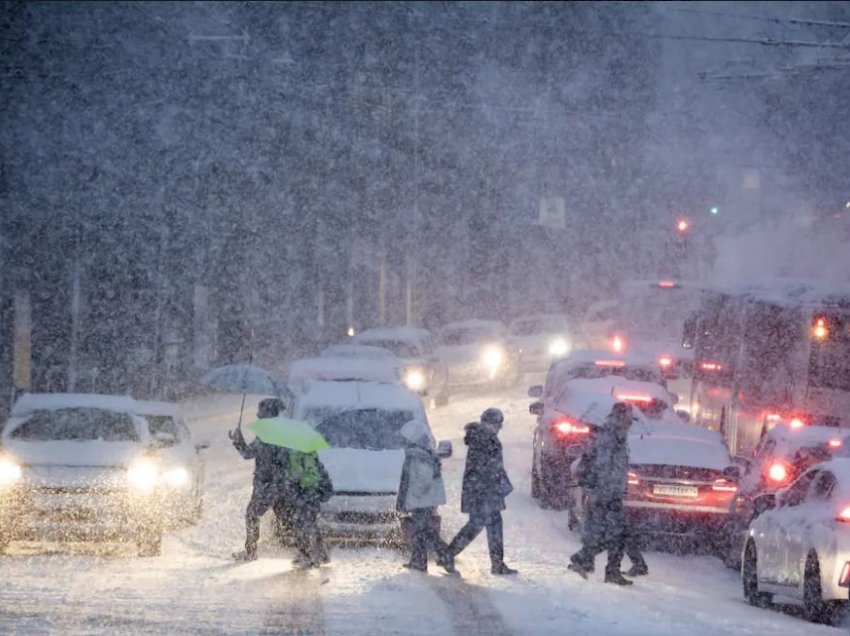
<point>69,453</point>
<point>363,471</point>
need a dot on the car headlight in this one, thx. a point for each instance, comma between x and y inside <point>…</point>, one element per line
<point>10,471</point>
<point>559,347</point>
<point>414,379</point>
<point>176,477</point>
<point>492,357</point>
<point>143,475</point>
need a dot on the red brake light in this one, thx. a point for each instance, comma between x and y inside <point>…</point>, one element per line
<point>609,363</point>
<point>666,283</point>
<point>844,579</point>
<point>820,330</point>
<point>724,485</point>
<point>796,423</point>
<point>633,479</point>
<point>778,472</point>
<point>626,397</point>
<point>711,366</point>
<point>569,426</point>
<point>665,362</point>
<point>844,515</point>
<point>835,443</point>
<point>618,344</point>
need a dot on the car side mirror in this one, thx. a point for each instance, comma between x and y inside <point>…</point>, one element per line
<point>685,415</point>
<point>765,502</point>
<point>732,473</point>
<point>201,446</point>
<point>536,408</point>
<point>535,391</point>
<point>444,449</point>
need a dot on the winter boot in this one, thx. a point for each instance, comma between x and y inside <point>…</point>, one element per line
<point>244,555</point>
<point>580,566</point>
<point>617,578</point>
<point>416,567</point>
<point>638,570</point>
<point>447,562</point>
<point>501,568</point>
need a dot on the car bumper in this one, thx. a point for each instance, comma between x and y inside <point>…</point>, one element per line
<point>358,517</point>
<point>676,520</point>
<point>64,514</point>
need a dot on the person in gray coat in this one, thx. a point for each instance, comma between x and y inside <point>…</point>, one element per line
<point>603,472</point>
<point>485,486</point>
<point>420,492</point>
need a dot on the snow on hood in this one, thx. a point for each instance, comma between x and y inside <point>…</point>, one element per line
<point>363,471</point>
<point>70,453</point>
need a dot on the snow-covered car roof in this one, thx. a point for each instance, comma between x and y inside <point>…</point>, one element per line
<point>341,369</point>
<point>789,440</point>
<point>587,406</point>
<point>362,351</point>
<point>592,356</point>
<point>150,407</point>
<point>359,395</point>
<point>405,334</point>
<point>684,445</point>
<point>30,402</point>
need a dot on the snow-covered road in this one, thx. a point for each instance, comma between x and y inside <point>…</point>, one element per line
<point>194,587</point>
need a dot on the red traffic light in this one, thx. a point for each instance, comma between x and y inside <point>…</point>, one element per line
<point>683,226</point>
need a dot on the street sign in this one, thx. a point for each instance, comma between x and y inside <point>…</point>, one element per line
<point>552,213</point>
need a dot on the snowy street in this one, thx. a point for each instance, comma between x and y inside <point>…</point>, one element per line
<point>195,587</point>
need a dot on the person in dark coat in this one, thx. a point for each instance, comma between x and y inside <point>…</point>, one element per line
<point>485,486</point>
<point>420,491</point>
<point>603,473</point>
<point>308,484</point>
<point>267,493</point>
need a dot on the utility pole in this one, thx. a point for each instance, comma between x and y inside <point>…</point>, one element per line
<point>411,257</point>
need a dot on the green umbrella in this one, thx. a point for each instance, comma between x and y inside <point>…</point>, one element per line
<point>294,434</point>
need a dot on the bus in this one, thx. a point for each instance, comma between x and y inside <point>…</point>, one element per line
<point>769,352</point>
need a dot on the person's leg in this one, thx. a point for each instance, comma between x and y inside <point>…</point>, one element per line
<point>633,550</point>
<point>592,539</point>
<point>466,534</point>
<point>495,539</point>
<point>284,519</point>
<point>615,542</point>
<point>419,521</point>
<point>305,534</point>
<point>257,506</point>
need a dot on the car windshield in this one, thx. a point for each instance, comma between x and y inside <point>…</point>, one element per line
<point>469,335</point>
<point>373,429</point>
<point>400,348</point>
<point>77,424</point>
<point>536,326</point>
<point>162,425</point>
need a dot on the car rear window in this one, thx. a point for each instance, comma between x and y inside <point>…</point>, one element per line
<point>372,429</point>
<point>77,424</point>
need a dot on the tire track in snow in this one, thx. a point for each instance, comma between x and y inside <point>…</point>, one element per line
<point>299,608</point>
<point>470,608</point>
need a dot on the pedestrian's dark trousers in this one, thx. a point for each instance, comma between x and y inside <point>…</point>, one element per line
<point>606,529</point>
<point>308,538</point>
<point>257,507</point>
<point>477,522</point>
<point>424,537</point>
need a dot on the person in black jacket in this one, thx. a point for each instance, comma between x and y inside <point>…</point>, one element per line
<point>268,492</point>
<point>485,486</point>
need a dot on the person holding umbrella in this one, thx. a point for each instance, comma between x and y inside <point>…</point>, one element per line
<point>268,488</point>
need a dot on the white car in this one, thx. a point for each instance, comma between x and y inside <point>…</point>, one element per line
<point>543,338</point>
<point>422,370</point>
<point>79,467</point>
<point>361,421</point>
<point>798,547</point>
<point>182,468</point>
<point>479,353</point>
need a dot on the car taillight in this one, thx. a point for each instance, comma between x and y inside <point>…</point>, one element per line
<point>569,426</point>
<point>610,363</point>
<point>844,515</point>
<point>796,422</point>
<point>633,479</point>
<point>835,443</point>
<point>844,579</point>
<point>778,472</point>
<point>724,485</point>
<point>665,362</point>
<point>618,343</point>
<point>630,397</point>
<point>711,366</point>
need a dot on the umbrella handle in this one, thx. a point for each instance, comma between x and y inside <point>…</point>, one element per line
<point>241,408</point>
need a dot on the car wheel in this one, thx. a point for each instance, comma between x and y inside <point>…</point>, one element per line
<point>817,610</point>
<point>749,578</point>
<point>535,480</point>
<point>149,543</point>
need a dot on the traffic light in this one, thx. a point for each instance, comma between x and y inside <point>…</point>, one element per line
<point>683,226</point>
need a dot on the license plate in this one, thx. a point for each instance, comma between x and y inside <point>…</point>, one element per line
<point>676,491</point>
